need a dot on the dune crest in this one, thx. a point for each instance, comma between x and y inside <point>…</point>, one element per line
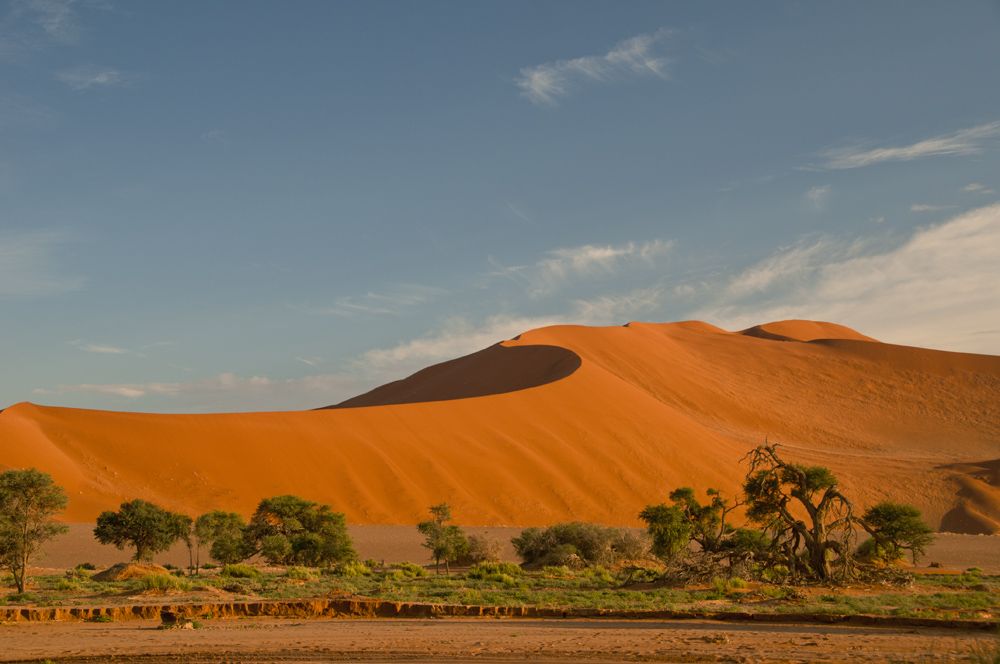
<point>562,423</point>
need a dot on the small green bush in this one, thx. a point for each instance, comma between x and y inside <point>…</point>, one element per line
<point>412,570</point>
<point>351,569</point>
<point>483,570</point>
<point>470,597</point>
<point>240,571</point>
<point>299,574</point>
<point>209,566</point>
<point>737,582</point>
<point>371,563</point>
<point>103,618</point>
<point>66,584</point>
<point>86,566</point>
<point>163,582</point>
<point>556,571</point>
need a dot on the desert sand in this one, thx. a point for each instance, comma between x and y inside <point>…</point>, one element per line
<point>466,640</point>
<point>564,423</point>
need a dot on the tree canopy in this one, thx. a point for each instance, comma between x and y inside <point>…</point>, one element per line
<point>141,524</point>
<point>446,542</point>
<point>290,530</point>
<point>29,502</point>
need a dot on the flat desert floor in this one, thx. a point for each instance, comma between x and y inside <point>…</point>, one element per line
<point>479,639</point>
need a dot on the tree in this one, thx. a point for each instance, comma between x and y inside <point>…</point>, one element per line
<point>223,532</point>
<point>895,528</point>
<point>29,501</point>
<point>708,522</point>
<point>445,542</point>
<point>182,524</point>
<point>773,487</point>
<point>139,523</point>
<point>669,530</point>
<point>289,530</point>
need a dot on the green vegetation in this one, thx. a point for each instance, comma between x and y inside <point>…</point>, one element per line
<point>578,545</point>
<point>289,530</point>
<point>445,542</point>
<point>239,571</point>
<point>140,524</point>
<point>29,502</point>
<point>223,532</point>
<point>896,528</point>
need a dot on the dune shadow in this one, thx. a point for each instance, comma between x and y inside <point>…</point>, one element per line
<point>495,370</point>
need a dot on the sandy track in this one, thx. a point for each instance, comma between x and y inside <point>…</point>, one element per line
<point>478,639</point>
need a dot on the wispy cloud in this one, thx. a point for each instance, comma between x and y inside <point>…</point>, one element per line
<point>456,338</point>
<point>228,392</point>
<point>938,289</point>
<point>964,142</point>
<point>29,267</point>
<point>564,265</point>
<point>85,77</point>
<point>99,348</point>
<point>921,207</point>
<point>978,189</point>
<point>394,301</point>
<point>57,19</point>
<point>635,57</point>
<point>817,197</point>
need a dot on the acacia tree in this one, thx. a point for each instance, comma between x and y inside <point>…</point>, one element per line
<point>139,523</point>
<point>446,542</point>
<point>289,530</point>
<point>29,501</point>
<point>223,532</point>
<point>668,529</point>
<point>896,528</point>
<point>776,489</point>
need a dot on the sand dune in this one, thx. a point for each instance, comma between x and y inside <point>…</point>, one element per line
<point>563,423</point>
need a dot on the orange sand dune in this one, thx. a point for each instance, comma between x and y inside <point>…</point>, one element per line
<point>563,423</point>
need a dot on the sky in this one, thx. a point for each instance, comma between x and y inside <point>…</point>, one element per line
<point>252,206</point>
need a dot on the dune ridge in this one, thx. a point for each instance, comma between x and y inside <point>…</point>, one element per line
<point>642,409</point>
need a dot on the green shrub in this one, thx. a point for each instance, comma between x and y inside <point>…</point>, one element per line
<point>483,570</point>
<point>162,582</point>
<point>22,598</point>
<point>484,549</point>
<point>578,544</point>
<point>470,597</point>
<point>394,575</point>
<point>240,571</point>
<point>66,584</point>
<point>371,563</point>
<point>86,566</point>
<point>554,571</point>
<point>597,573</point>
<point>102,618</point>
<point>209,566</point>
<point>299,574</point>
<point>412,570</point>
<point>737,582</point>
<point>351,569</point>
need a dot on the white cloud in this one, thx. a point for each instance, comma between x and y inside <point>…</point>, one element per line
<point>938,289</point>
<point>964,142</point>
<point>565,265</point>
<point>917,207</point>
<point>458,337</point>
<point>29,268</point>
<point>609,309</point>
<point>57,18</point>
<point>978,189</point>
<point>394,301</point>
<point>544,84</point>
<point>99,348</point>
<point>818,196</point>
<point>85,77</point>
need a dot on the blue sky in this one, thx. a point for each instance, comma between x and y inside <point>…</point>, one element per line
<point>233,206</point>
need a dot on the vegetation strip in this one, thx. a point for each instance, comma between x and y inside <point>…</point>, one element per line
<point>375,608</point>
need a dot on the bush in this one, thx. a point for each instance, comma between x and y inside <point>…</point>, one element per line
<point>412,570</point>
<point>351,569</point>
<point>299,574</point>
<point>162,582</point>
<point>209,566</point>
<point>371,563</point>
<point>471,597</point>
<point>552,571</point>
<point>484,570</point>
<point>577,544</point>
<point>485,549</point>
<point>240,571</point>
<point>66,584</point>
<point>86,566</point>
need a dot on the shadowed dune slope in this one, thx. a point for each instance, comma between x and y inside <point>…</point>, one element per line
<point>613,421</point>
